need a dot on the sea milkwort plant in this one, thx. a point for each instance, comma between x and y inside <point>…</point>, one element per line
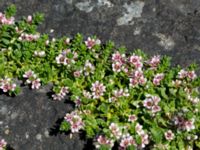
<point>122,100</point>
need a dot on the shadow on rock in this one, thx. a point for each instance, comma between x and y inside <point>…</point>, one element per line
<point>8,147</point>
<point>88,142</point>
<point>55,130</point>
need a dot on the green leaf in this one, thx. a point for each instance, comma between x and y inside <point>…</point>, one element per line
<point>104,147</point>
<point>181,144</point>
<point>103,108</point>
<point>5,41</point>
<point>65,126</point>
<point>10,11</point>
<point>163,93</point>
<point>131,147</point>
<point>157,135</point>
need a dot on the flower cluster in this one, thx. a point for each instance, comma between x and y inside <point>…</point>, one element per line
<point>31,78</point>
<point>136,61</point>
<point>5,20</point>
<point>137,78</point>
<point>90,43</point>
<point>143,135</point>
<point>118,61</point>
<point>67,57</point>
<point>28,37</point>
<point>184,124</point>
<point>6,85</point>
<point>119,93</point>
<point>115,130</point>
<point>59,96</point>
<point>157,78</point>
<point>39,53</point>
<point>183,74</point>
<point>154,62</point>
<point>104,141</point>
<point>97,89</point>
<point>126,141</point>
<point>75,121</point>
<point>88,68</point>
<point>3,144</point>
<point>151,103</point>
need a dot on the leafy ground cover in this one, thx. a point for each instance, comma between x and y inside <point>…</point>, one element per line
<point>124,100</point>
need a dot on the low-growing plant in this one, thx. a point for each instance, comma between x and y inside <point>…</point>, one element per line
<point>126,100</point>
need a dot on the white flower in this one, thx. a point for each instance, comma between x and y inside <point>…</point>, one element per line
<point>36,84</point>
<point>169,135</point>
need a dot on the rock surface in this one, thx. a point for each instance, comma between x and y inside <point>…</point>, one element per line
<point>170,27</point>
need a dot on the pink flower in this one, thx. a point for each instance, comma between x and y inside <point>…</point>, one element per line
<point>102,140</point>
<point>189,125</point>
<point>87,94</point>
<point>155,99</point>
<point>29,37</point>
<point>3,144</point>
<point>145,139</point>
<point>36,84</point>
<point>78,101</point>
<point>57,96</point>
<point>138,129</point>
<point>90,43</point>
<point>137,78</point>
<point>121,92</point>
<point>156,108</point>
<point>154,61</point>
<point>4,20</point>
<point>77,73</point>
<point>182,74</point>
<point>126,141</point>
<point>64,90</point>
<point>132,118</point>
<point>148,103</point>
<point>133,82</point>
<point>151,102</point>
<point>75,121</point>
<point>157,78</point>
<point>29,19</point>
<point>97,89</point>
<point>115,130</point>
<point>6,85</point>
<point>136,61</point>
<point>117,57</point>
<point>28,74</point>
<point>117,66</point>
<point>169,135</point>
<point>191,75</point>
<point>142,80</point>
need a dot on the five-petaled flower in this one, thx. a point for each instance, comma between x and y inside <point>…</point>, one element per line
<point>169,135</point>
<point>97,89</point>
